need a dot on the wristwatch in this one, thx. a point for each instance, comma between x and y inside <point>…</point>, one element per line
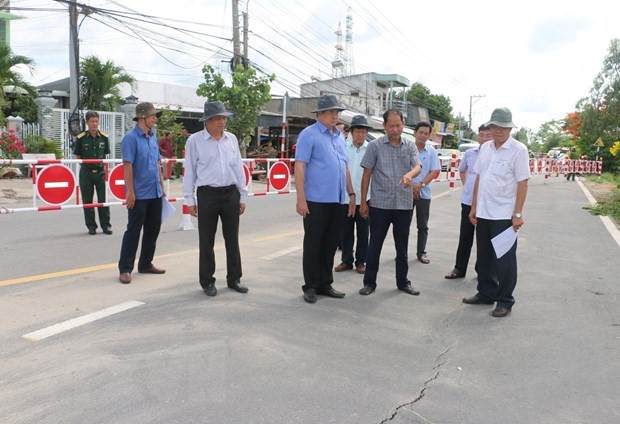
<point>351,194</point>
<point>518,215</point>
<point>423,185</point>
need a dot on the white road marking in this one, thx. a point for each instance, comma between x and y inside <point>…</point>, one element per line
<point>76,322</point>
<point>607,222</point>
<point>279,253</point>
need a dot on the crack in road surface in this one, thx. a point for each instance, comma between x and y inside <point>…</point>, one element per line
<point>437,369</point>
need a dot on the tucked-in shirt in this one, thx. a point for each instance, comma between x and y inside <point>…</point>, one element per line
<point>430,162</point>
<point>388,165</point>
<point>209,162</point>
<point>326,164</point>
<point>499,171</point>
<point>355,156</point>
<point>89,147</point>
<point>166,145</point>
<point>467,165</point>
<point>142,151</point>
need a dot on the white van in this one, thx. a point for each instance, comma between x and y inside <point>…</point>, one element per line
<point>466,146</point>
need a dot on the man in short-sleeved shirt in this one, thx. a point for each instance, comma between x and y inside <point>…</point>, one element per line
<point>144,187</point>
<point>323,182</point>
<point>467,229</point>
<point>392,162</point>
<point>422,194</point>
<point>499,195</point>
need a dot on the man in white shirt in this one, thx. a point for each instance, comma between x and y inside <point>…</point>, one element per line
<point>356,148</point>
<point>497,206</point>
<point>213,164</point>
<point>468,230</point>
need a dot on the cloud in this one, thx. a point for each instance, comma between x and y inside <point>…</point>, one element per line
<point>554,33</point>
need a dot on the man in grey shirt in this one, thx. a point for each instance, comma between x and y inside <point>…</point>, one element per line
<point>392,162</point>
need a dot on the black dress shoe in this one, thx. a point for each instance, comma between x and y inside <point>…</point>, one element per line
<point>500,312</point>
<point>476,300</point>
<point>366,290</point>
<point>152,270</point>
<point>409,290</point>
<point>211,290</point>
<point>107,231</point>
<point>310,296</point>
<point>330,292</point>
<point>455,273</point>
<point>238,287</point>
<point>92,231</point>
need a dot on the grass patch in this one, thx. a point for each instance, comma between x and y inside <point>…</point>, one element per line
<point>610,207</point>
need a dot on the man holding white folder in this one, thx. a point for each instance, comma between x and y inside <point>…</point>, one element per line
<point>497,211</point>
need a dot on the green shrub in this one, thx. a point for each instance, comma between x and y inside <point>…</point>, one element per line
<point>38,144</point>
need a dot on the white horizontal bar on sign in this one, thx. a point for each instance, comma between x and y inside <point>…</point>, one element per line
<point>61,184</point>
<point>77,322</point>
<point>119,182</point>
<point>279,176</point>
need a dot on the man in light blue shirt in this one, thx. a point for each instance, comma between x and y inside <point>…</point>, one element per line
<point>468,230</point>
<point>213,165</point>
<point>422,194</point>
<point>323,183</point>
<point>355,152</point>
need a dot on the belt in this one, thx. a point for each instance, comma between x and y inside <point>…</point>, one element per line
<point>218,189</point>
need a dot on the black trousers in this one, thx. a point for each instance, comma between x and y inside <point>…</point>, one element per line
<point>466,240</point>
<point>497,278</point>
<point>347,237</point>
<point>422,209</point>
<point>380,220</point>
<point>321,235</point>
<point>89,182</point>
<point>218,203</point>
<point>145,214</point>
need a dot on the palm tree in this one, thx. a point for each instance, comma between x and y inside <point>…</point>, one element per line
<point>99,84</point>
<point>9,78</point>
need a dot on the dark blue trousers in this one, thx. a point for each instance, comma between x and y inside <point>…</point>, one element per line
<point>347,237</point>
<point>466,240</point>
<point>321,235</point>
<point>380,220</point>
<point>145,214</point>
<point>497,278</point>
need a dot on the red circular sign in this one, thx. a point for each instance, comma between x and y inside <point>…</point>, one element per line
<point>55,184</point>
<point>116,181</point>
<point>248,175</point>
<point>279,176</point>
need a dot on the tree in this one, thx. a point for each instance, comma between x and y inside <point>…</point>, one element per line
<point>551,134</point>
<point>10,78</point>
<point>599,114</point>
<point>99,84</point>
<point>245,97</point>
<point>439,106</point>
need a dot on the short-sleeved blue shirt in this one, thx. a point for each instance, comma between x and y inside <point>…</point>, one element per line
<point>326,164</point>
<point>430,162</point>
<point>142,152</point>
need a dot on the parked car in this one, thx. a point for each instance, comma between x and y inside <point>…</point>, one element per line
<point>445,156</point>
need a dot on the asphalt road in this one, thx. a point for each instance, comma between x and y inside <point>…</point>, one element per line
<point>177,356</point>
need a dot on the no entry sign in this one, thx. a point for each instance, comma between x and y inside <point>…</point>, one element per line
<point>279,176</point>
<point>55,184</point>
<point>116,181</point>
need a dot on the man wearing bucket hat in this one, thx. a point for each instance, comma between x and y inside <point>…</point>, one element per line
<point>144,187</point>
<point>213,165</point>
<point>356,148</point>
<point>323,183</point>
<point>497,207</point>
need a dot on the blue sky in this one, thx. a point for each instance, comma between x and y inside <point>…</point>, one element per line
<point>536,57</point>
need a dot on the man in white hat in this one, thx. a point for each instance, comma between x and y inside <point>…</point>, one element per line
<point>323,182</point>
<point>144,187</point>
<point>497,209</point>
<point>213,164</point>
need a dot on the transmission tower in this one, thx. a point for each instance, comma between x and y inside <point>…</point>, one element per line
<point>348,46</point>
<point>339,61</point>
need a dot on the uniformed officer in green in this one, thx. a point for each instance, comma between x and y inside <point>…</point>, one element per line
<point>93,144</point>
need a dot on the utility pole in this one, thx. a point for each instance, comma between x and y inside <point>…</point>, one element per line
<point>246,59</point>
<point>471,104</point>
<point>236,43</point>
<point>74,55</point>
